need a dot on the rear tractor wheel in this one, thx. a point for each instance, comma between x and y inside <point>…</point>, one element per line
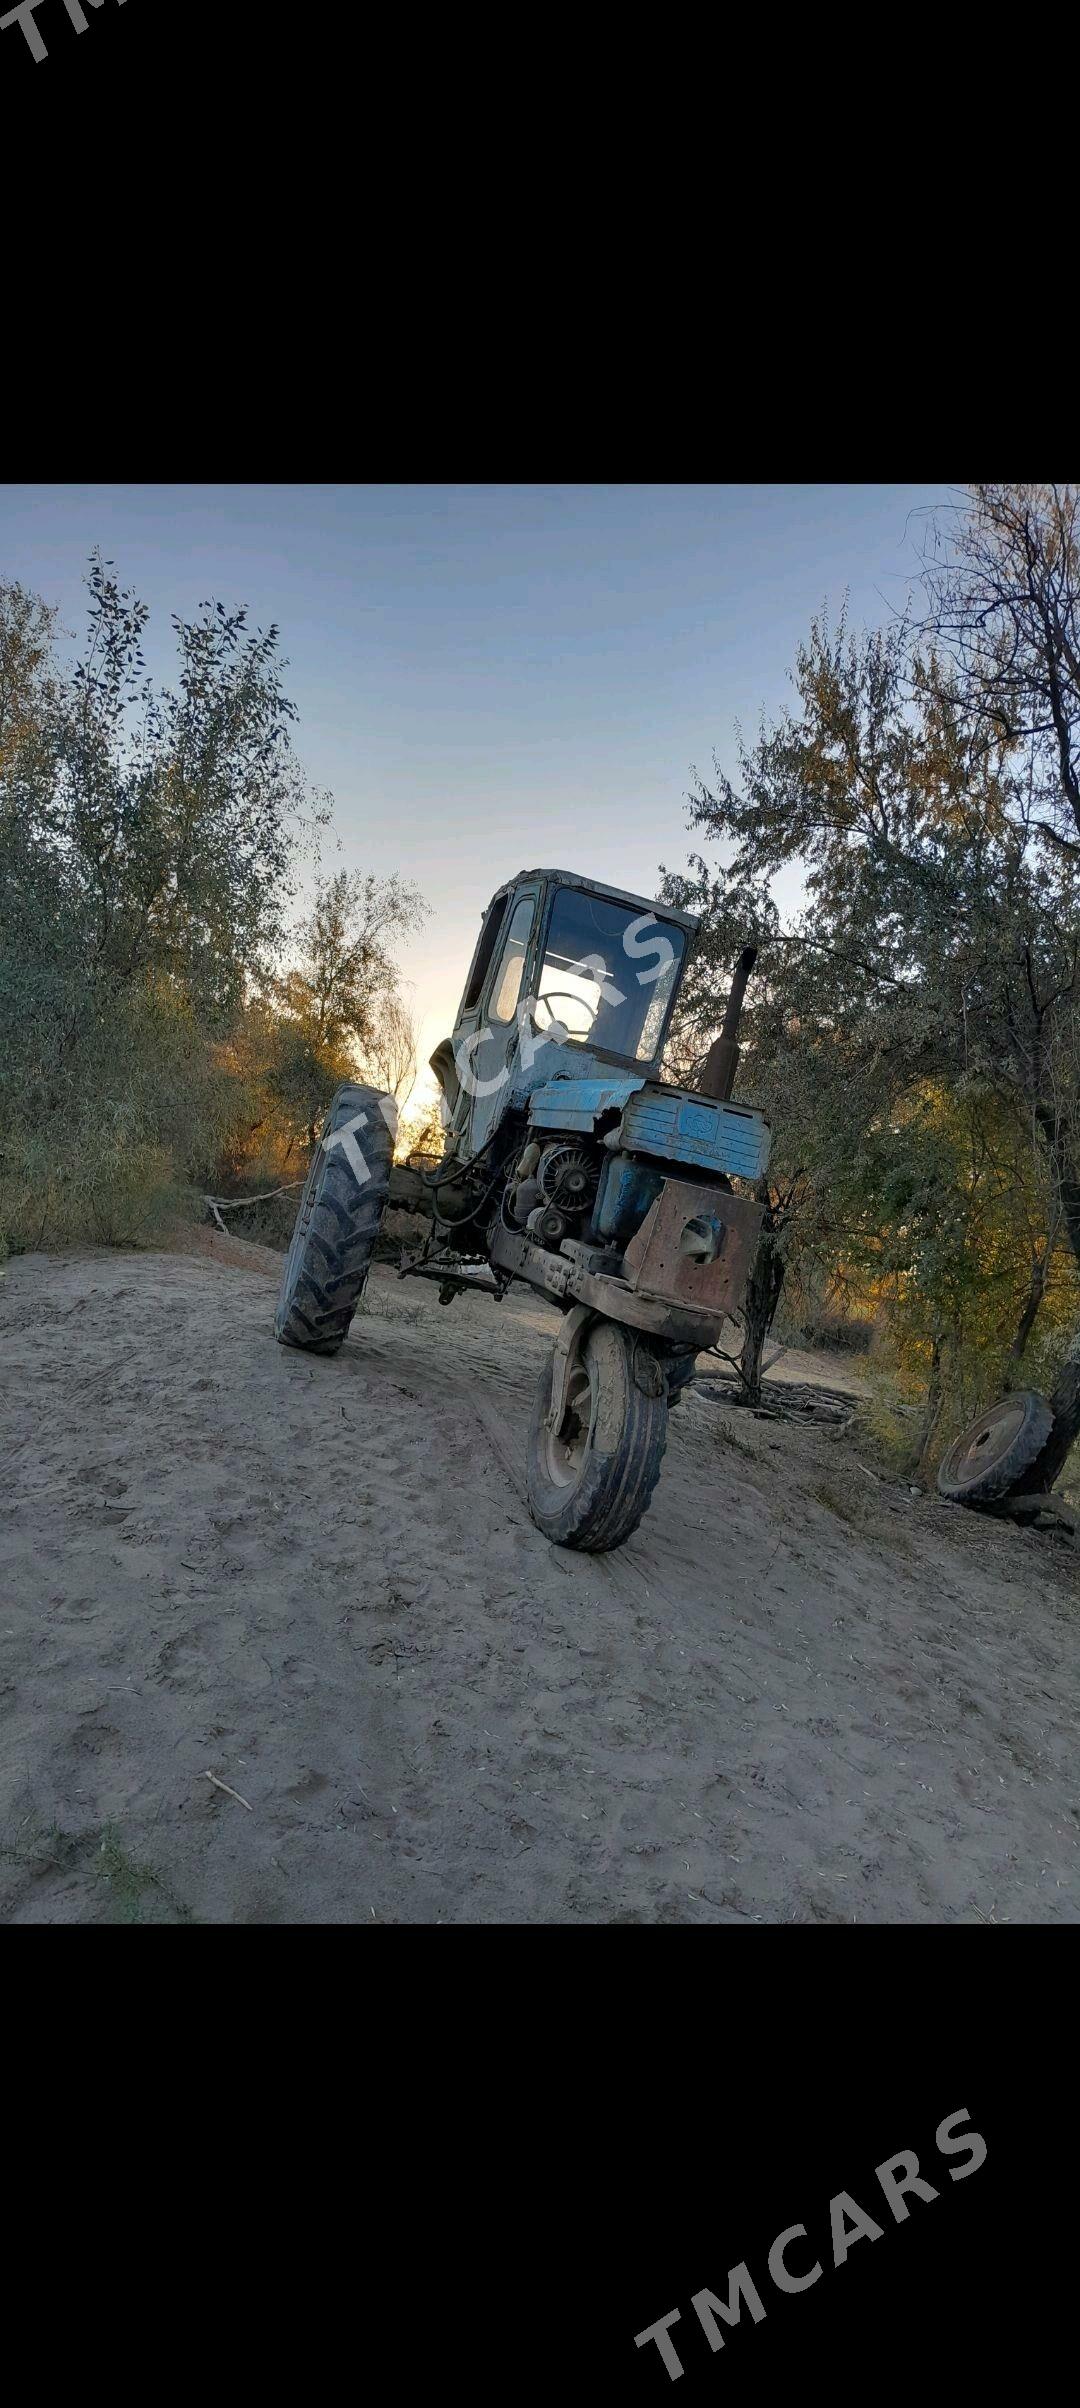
<point>591,1477</point>
<point>338,1222</point>
<point>990,1458</point>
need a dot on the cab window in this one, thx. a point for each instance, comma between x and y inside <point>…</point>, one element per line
<point>489,937</point>
<point>609,971</point>
<point>508,976</point>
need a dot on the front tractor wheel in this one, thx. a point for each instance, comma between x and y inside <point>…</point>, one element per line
<point>589,1481</point>
<point>338,1222</point>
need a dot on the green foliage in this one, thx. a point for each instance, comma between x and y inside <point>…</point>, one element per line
<point>135,1892</point>
<point>150,841</point>
<point>914,1031</point>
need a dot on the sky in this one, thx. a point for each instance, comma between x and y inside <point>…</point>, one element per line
<point>492,678</point>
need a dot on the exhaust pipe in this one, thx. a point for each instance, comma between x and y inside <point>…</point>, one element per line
<point>722,1060</point>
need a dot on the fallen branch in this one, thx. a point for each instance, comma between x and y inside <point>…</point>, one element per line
<point>230,1793</point>
<point>237,1203</point>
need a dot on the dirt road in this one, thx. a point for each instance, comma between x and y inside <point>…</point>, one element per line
<point>796,1694</point>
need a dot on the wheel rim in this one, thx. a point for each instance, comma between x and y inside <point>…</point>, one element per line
<point>979,1450</point>
<point>564,1454</point>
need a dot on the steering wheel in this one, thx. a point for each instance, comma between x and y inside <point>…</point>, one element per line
<point>560,995</point>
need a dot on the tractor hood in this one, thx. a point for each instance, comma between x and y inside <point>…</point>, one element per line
<point>671,1123</point>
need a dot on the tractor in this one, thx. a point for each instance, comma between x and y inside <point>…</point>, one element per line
<point>569,1164</point>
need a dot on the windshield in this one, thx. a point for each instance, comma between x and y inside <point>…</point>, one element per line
<point>608,973</point>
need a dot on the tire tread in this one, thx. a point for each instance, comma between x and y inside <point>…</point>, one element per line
<point>615,1491</point>
<point>336,1227</point>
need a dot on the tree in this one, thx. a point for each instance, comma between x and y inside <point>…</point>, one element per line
<point>145,842</point>
<point>388,1057</point>
<point>1002,578</point>
<point>182,809</point>
<point>151,839</point>
<point>27,694</point>
<point>938,940</point>
<point>339,1004</point>
<point>1004,597</point>
<point>421,1129</point>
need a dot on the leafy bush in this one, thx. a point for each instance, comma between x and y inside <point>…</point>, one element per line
<point>838,1332</point>
<point>149,841</point>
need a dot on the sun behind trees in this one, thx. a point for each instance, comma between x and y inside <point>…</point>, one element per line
<point>167,1021</point>
<point>914,1031</point>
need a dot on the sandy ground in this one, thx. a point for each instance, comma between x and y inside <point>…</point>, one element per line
<point>796,1694</point>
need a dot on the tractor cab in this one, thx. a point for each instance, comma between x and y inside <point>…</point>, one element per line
<point>569,979</point>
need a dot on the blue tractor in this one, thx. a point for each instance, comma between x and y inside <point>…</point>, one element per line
<point>570,1164</point>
